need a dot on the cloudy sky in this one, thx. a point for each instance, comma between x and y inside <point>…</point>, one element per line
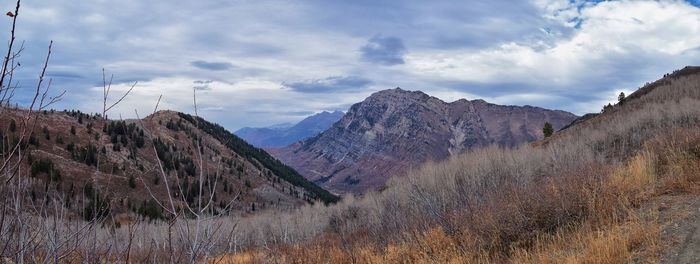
<point>257,63</point>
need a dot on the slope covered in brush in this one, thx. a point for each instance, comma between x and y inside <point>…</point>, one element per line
<point>259,156</point>
<point>99,167</point>
<point>587,194</point>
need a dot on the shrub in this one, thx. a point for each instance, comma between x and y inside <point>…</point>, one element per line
<point>47,134</point>
<point>41,166</point>
<point>151,210</point>
<point>132,182</point>
<point>32,140</point>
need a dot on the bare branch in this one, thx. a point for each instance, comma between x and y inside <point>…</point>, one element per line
<point>157,103</point>
<point>122,98</point>
<point>9,49</point>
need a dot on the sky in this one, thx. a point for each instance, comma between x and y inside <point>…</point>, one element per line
<point>258,63</point>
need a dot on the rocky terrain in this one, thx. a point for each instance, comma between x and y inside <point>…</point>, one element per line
<point>284,134</point>
<point>395,130</point>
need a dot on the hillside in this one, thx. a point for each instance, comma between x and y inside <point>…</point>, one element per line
<point>617,187</point>
<point>90,160</point>
<point>284,134</point>
<point>395,130</point>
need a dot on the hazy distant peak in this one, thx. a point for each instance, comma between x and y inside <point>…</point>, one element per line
<point>280,136</point>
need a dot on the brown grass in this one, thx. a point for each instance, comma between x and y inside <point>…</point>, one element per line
<point>621,235</point>
<point>606,222</point>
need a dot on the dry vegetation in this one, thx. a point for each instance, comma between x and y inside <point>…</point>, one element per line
<point>577,197</point>
<point>64,197</point>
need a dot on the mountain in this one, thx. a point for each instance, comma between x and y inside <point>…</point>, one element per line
<point>395,130</point>
<point>621,186</point>
<point>284,134</point>
<point>76,153</point>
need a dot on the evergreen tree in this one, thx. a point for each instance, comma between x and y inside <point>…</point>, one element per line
<point>621,97</point>
<point>547,129</point>
<point>132,182</point>
<point>606,108</point>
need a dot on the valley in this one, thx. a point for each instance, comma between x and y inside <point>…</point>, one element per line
<point>267,132</point>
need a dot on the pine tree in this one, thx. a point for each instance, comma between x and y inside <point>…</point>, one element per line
<point>621,97</point>
<point>547,129</point>
<point>606,108</point>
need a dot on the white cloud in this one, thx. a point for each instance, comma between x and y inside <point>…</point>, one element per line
<point>243,102</point>
<point>551,53</point>
<point>611,38</point>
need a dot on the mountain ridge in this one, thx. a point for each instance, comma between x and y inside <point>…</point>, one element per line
<point>120,160</point>
<point>281,135</point>
<point>394,130</point>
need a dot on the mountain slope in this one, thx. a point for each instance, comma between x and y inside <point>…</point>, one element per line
<point>73,152</point>
<point>675,87</point>
<point>284,134</point>
<point>257,155</point>
<point>617,187</point>
<point>395,130</point>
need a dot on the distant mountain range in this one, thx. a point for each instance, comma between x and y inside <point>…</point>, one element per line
<point>281,135</point>
<point>395,130</point>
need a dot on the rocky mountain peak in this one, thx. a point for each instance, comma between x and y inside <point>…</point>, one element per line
<point>394,130</point>
<point>398,95</point>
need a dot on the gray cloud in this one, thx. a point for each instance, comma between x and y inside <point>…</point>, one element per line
<point>64,75</point>
<point>168,45</point>
<point>212,66</point>
<point>330,84</point>
<point>383,50</point>
<point>202,85</point>
<point>287,113</point>
<point>212,108</point>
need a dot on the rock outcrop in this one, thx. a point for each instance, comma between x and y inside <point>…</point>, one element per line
<point>395,130</point>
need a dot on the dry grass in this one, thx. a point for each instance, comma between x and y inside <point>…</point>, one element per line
<point>624,242</point>
<point>617,233</point>
<point>678,156</point>
<point>594,215</point>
